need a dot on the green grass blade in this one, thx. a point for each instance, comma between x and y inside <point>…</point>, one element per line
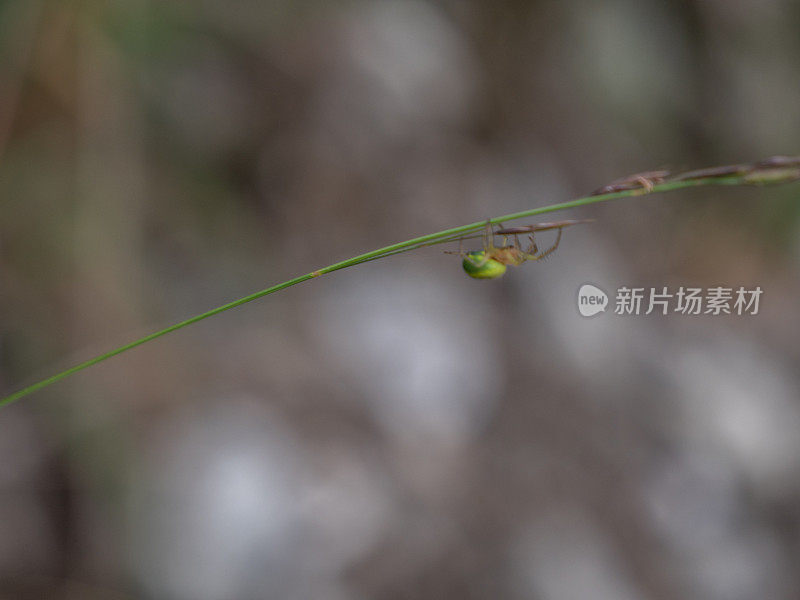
<point>780,169</point>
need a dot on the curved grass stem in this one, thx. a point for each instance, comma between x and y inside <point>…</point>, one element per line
<point>777,169</point>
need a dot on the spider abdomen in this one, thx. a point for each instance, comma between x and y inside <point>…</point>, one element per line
<point>480,266</point>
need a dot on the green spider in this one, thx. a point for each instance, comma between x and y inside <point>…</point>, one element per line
<point>492,261</point>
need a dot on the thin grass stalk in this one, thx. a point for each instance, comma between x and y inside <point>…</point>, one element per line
<point>774,170</point>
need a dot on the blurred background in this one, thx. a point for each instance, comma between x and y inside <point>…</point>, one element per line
<point>395,430</point>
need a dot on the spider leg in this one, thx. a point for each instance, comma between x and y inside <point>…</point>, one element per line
<point>460,248</point>
<point>533,248</point>
<point>486,232</point>
<point>647,184</point>
<point>552,248</point>
<point>649,179</point>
